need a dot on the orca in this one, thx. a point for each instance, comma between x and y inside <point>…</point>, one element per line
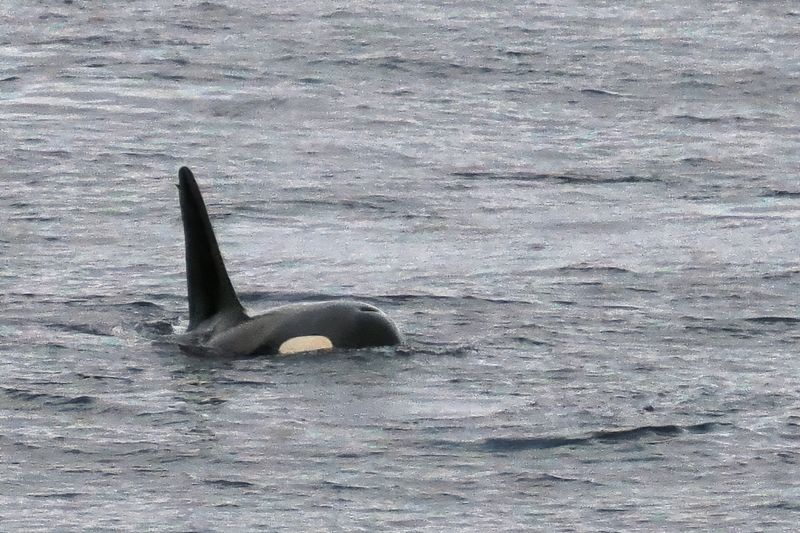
<point>220,325</point>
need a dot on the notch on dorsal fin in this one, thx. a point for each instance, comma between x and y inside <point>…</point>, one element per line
<point>210,290</point>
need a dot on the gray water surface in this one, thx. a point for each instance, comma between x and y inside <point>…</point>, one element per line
<point>583,216</point>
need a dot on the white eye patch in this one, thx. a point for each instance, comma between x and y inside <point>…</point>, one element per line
<point>308,343</point>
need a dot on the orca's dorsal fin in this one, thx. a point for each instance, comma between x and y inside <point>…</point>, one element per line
<point>210,290</point>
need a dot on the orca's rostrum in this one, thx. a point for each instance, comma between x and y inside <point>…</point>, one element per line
<point>219,323</point>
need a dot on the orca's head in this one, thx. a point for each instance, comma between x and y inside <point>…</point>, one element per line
<point>373,328</point>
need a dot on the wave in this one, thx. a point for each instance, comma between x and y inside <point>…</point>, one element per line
<point>399,63</point>
<point>228,483</point>
<point>695,118</point>
<point>697,161</point>
<point>342,486</point>
<point>220,8</point>
<point>525,176</point>
<point>156,328</point>
<point>516,444</point>
<point>583,267</point>
<point>57,495</point>
<point>603,92</point>
<point>785,274</point>
<point>780,193</point>
<point>773,320</point>
<point>293,297</point>
<point>103,377</point>
<point>86,329</point>
<point>369,203</point>
<point>47,398</point>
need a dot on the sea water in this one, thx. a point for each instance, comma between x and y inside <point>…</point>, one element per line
<point>582,215</point>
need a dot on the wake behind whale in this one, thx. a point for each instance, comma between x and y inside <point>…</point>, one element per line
<point>218,323</point>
